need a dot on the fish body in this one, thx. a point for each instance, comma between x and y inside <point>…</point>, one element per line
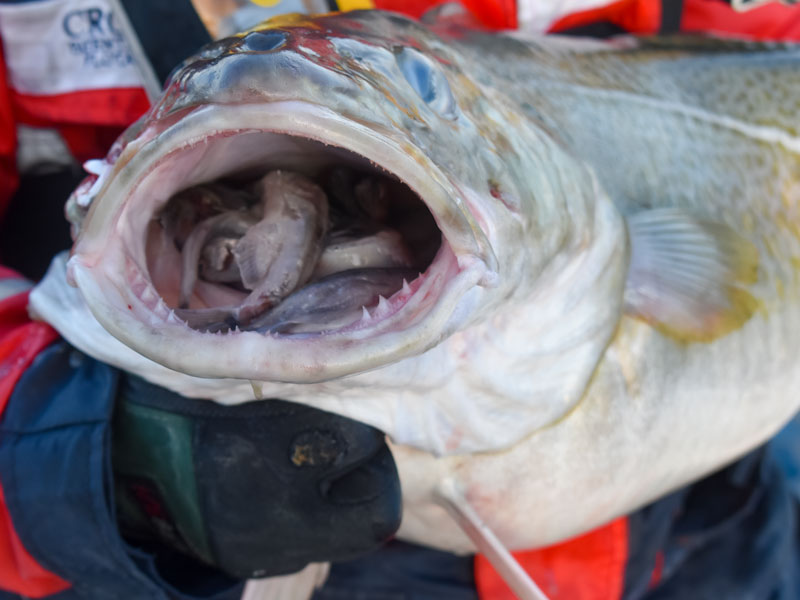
<point>613,309</point>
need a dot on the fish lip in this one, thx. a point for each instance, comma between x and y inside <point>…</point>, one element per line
<point>109,265</point>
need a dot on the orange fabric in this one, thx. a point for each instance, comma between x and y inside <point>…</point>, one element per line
<point>771,21</point>
<point>589,567</point>
<point>20,341</point>
<point>636,16</point>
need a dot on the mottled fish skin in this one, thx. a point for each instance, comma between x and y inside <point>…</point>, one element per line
<point>534,152</point>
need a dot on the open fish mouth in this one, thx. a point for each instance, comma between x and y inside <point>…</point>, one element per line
<point>276,243</point>
<point>333,244</point>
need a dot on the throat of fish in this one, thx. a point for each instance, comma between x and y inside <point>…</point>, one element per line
<point>289,254</point>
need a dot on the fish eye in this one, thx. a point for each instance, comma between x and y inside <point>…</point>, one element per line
<point>428,81</point>
<point>263,41</point>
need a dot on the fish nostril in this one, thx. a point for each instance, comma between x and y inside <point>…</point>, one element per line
<point>316,448</point>
<point>263,41</point>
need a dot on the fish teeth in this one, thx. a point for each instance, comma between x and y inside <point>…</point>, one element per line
<point>365,316</point>
<point>138,284</point>
<point>161,310</point>
<point>406,288</point>
<point>383,307</point>
<point>174,319</point>
<point>148,295</point>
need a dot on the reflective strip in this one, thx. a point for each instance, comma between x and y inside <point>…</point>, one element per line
<point>59,46</point>
<point>536,16</point>
<point>743,5</point>
<point>345,5</point>
<point>12,287</point>
<point>40,146</point>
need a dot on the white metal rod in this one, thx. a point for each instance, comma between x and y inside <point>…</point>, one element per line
<point>454,502</point>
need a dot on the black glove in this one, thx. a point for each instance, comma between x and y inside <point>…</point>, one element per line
<point>255,490</point>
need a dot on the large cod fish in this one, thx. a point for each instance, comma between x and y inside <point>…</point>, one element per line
<point>562,274</point>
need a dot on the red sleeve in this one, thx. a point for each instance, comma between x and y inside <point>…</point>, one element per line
<point>636,16</point>
<point>771,21</point>
<point>8,140</point>
<point>20,341</point>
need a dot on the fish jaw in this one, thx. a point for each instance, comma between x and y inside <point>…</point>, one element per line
<point>109,263</point>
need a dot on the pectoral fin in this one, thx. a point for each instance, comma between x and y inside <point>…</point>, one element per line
<point>688,275</point>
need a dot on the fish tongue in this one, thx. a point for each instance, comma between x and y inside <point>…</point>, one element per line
<point>331,302</point>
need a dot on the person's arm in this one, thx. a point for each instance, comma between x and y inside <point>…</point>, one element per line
<point>20,341</point>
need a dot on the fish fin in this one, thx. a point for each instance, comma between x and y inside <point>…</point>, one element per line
<point>688,274</point>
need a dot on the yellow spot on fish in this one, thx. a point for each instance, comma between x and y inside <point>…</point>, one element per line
<point>789,196</point>
<point>745,260</point>
<point>788,224</point>
<point>628,346</point>
<point>266,2</point>
<point>741,307</point>
<point>769,245</point>
<point>748,223</point>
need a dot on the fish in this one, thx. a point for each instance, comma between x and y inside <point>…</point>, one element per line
<point>603,242</point>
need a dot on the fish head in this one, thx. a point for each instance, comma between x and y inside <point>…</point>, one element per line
<point>369,90</point>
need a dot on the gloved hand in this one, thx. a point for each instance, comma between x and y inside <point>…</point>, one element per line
<point>255,490</point>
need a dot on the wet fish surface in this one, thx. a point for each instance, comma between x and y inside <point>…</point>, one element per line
<point>595,249</point>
